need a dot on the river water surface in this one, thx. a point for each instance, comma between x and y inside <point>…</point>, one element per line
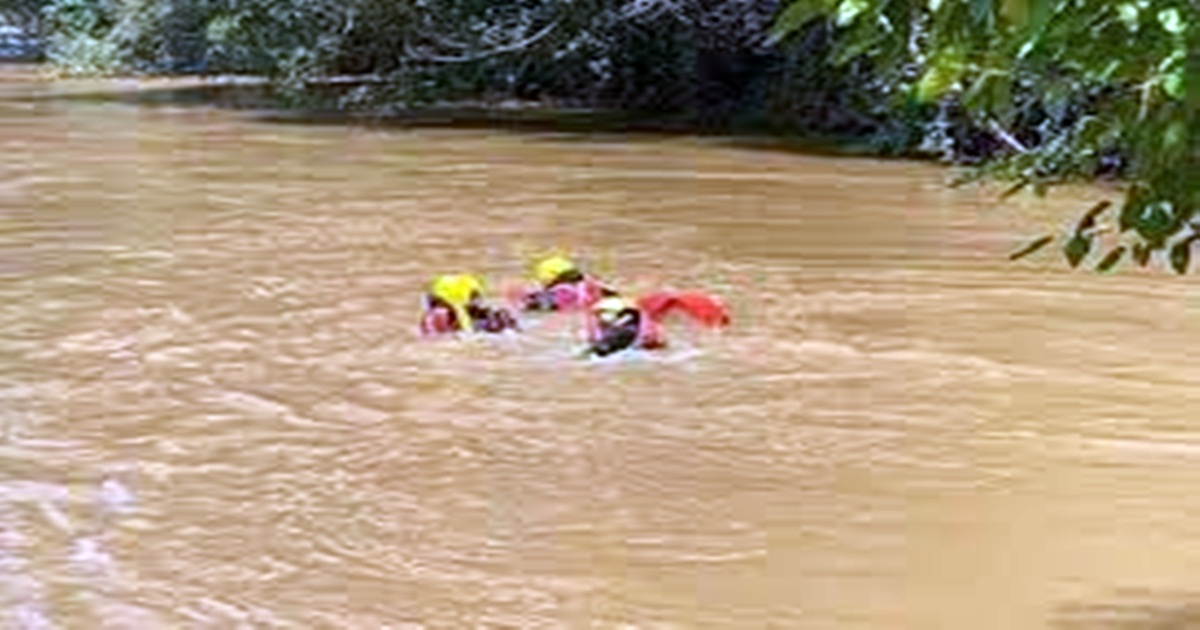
<point>215,411</point>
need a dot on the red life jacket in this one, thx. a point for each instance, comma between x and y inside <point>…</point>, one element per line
<point>654,307</point>
<point>701,308</point>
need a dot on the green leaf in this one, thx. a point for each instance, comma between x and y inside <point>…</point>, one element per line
<point>1032,247</point>
<point>990,91</point>
<point>1181,255</point>
<point>855,47</point>
<point>1171,21</point>
<point>1014,189</point>
<point>1128,13</point>
<point>1088,131</point>
<point>942,74</point>
<point>1039,15</point>
<point>1173,84</point>
<point>220,28</point>
<point>1156,223</point>
<point>1077,248</point>
<point>1109,70</point>
<point>1016,12</point>
<point>1141,253</point>
<point>968,177</point>
<point>1130,212</point>
<point>798,14</point>
<point>1175,136</point>
<point>1000,98</point>
<point>1111,259</point>
<point>1088,220</point>
<point>1176,57</point>
<point>848,10</point>
<point>974,94</point>
<point>981,13</point>
<point>1027,47</point>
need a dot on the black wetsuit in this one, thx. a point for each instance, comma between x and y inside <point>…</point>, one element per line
<point>621,334</point>
<point>541,300</point>
<point>492,320</point>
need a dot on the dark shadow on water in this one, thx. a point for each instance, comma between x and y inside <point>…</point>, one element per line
<point>1134,610</point>
<point>259,102</point>
<point>579,125</point>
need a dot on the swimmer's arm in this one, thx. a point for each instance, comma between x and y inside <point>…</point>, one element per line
<point>496,320</point>
<point>596,350</point>
<point>540,301</point>
<point>616,341</point>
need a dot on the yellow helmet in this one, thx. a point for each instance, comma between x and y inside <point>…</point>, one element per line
<point>608,308</point>
<point>458,291</point>
<point>549,269</point>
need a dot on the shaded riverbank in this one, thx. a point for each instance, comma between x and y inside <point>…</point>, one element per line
<point>259,99</point>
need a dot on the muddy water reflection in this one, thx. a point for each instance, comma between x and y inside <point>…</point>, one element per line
<point>215,412</point>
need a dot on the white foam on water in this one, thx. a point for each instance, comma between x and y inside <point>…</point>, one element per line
<point>115,497</point>
<point>30,616</point>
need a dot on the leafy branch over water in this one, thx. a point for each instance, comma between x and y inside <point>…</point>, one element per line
<point>1062,85</point>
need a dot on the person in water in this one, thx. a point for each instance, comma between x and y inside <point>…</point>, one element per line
<point>618,324</point>
<point>563,286</point>
<point>455,303</point>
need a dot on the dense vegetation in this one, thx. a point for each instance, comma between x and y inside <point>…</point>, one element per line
<point>1035,91</point>
<point>1059,88</point>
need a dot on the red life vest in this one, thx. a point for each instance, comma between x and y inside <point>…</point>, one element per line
<point>654,307</point>
<point>703,309</point>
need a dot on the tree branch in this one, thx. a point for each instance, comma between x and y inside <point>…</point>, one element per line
<point>499,50</point>
<point>1007,137</point>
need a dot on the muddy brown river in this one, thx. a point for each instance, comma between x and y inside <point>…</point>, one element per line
<point>215,411</point>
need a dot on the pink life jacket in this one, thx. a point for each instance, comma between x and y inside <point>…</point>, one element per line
<point>570,296</point>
